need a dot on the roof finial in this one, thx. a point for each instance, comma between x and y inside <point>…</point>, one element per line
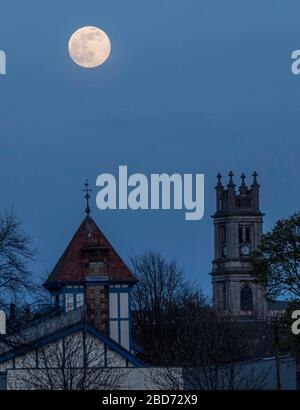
<point>230,178</point>
<point>87,197</point>
<point>219,177</point>
<point>243,177</point>
<point>254,178</point>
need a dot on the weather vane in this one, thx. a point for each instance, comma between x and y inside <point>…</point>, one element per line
<point>87,197</point>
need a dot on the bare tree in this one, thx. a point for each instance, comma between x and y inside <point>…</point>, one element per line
<point>212,353</point>
<point>212,348</point>
<point>16,252</point>
<point>75,362</point>
<point>157,300</point>
<point>178,329</point>
<point>236,376</point>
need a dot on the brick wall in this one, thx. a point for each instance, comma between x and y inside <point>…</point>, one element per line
<point>97,306</point>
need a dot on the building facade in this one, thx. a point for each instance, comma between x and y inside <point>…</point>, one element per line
<point>90,273</point>
<point>238,226</point>
<point>86,331</point>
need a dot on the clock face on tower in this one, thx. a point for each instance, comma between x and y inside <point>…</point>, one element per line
<point>245,250</point>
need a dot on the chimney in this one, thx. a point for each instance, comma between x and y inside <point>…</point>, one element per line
<point>97,295</point>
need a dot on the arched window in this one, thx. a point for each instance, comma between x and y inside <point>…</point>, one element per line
<point>246,298</point>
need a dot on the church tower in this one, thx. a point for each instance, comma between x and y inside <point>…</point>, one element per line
<point>238,225</point>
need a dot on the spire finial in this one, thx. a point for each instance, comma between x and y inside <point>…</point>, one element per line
<point>230,178</point>
<point>87,197</point>
<point>243,177</point>
<point>254,178</point>
<point>219,177</point>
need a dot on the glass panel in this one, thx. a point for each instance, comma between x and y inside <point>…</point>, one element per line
<point>113,305</point>
<point>79,300</point>
<point>69,302</point>
<point>124,311</point>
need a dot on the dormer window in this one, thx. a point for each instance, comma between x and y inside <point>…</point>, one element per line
<point>96,264</point>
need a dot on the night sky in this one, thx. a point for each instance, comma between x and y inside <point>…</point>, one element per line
<point>191,87</point>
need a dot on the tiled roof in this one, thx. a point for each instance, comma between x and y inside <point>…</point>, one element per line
<point>87,240</point>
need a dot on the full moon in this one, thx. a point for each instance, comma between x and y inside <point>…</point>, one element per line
<point>89,47</point>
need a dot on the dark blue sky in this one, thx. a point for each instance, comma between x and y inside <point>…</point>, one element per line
<point>191,86</point>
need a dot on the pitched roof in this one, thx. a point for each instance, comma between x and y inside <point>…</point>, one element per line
<point>88,238</point>
<point>57,334</point>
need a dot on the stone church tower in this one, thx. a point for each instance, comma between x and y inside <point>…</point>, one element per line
<point>238,224</point>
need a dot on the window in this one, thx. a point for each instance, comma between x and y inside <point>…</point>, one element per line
<point>79,300</point>
<point>241,239</point>
<point>244,234</point>
<point>96,264</point>
<point>119,317</point>
<point>69,302</point>
<point>124,305</point>
<point>113,305</point>
<point>248,231</point>
<point>246,298</point>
